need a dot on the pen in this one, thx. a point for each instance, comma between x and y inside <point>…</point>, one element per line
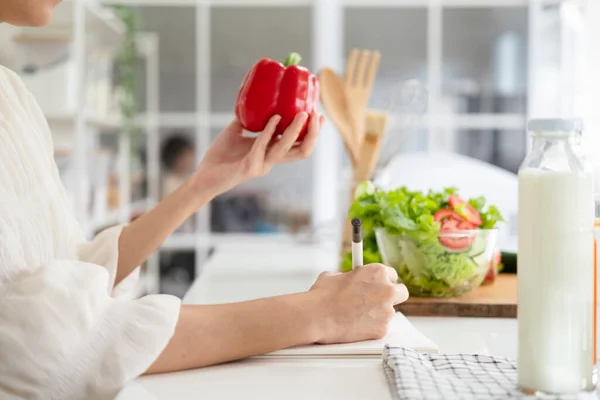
<point>357,245</point>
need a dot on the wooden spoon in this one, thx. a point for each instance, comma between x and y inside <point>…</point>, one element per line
<point>376,123</point>
<point>361,69</point>
<point>333,98</point>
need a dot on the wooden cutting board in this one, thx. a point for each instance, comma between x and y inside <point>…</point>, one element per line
<point>498,300</point>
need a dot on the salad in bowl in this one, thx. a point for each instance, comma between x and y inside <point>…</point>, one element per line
<point>440,244</point>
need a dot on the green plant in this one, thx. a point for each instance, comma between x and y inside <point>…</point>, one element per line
<point>126,68</point>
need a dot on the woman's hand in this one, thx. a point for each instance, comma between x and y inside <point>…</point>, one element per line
<point>233,159</point>
<point>339,308</point>
<point>357,305</point>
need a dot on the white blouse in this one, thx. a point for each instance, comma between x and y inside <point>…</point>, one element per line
<point>64,332</point>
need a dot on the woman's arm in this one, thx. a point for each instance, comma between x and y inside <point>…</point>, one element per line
<point>143,236</point>
<point>339,308</point>
<point>230,160</point>
<point>213,334</point>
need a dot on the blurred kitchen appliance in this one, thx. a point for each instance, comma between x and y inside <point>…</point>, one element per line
<point>242,212</point>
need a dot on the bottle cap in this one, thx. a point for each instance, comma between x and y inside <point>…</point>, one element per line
<point>555,125</point>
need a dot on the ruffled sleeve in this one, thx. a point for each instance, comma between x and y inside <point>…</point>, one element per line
<point>64,334</point>
<point>104,250</point>
<point>63,337</point>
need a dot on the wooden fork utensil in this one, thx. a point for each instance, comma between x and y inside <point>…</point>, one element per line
<point>361,69</point>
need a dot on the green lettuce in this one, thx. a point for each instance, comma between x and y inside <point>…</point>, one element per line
<point>423,264</point>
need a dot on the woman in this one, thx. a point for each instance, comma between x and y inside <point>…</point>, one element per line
<point>178,159</point>
<point>66,334</point>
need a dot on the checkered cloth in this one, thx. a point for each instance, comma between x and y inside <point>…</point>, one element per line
<point>418,376</point>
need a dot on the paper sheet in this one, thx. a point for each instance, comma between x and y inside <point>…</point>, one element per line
<point>400,333</point>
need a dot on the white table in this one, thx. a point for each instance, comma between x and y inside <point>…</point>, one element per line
<point>244,272</point>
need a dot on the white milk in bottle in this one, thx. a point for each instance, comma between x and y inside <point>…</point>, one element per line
<point>556,262</point>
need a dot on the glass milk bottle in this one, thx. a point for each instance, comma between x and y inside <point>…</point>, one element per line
<point>556,262</point>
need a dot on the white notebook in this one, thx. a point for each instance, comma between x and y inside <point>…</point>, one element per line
<point>400,333</point>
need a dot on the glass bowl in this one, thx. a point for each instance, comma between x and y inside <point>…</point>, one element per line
<point>451,264</point>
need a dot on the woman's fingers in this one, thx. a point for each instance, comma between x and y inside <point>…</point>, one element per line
<point>268,151</point>
<point>261,143</point>
<point>234,127</point>
<point>278,150</point>
<point>401,294</point>
<point>306,147</point>
<point>392,274</point>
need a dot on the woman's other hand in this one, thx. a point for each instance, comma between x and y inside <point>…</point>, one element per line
<point>357,305</point>
<point>338,308</point>
<point>233,158</point>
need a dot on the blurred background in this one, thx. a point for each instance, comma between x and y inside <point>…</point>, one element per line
<point>135,91</point>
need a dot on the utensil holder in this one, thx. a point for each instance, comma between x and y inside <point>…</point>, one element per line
<point>363,171</point>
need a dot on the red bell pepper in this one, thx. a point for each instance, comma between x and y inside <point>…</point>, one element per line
<point>271,88</point>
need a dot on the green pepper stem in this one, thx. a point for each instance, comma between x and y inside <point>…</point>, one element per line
<point>292,59</point>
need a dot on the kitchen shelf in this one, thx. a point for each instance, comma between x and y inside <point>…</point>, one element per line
<point>101,25</point>
<point>110,219</point>
<point>184,241</point>
<point>88,35</point>
<point>170,120</point>
<point>221,120</point>
<point>473,121</point>
<point>107,123</point>
<point>140,206</point>
<point>347,3</point>
<point>104,123</point>
<point>188,241</point>
<point>425,3</point>
<point>120,215</point>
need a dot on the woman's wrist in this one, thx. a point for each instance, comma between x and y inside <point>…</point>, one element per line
<point>318,323</point>
<point>200,190</point>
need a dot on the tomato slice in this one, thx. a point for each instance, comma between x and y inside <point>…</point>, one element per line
<point>454,200</point>
<point>445,213</point>
<point>450,222</point>
<point>465,210</point>
<point>493,271</point>
<point>490,277</point>
<point>458,242</point>
<point>497,258</point>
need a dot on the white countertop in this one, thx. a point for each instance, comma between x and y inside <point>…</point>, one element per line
<point>235,274</point>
